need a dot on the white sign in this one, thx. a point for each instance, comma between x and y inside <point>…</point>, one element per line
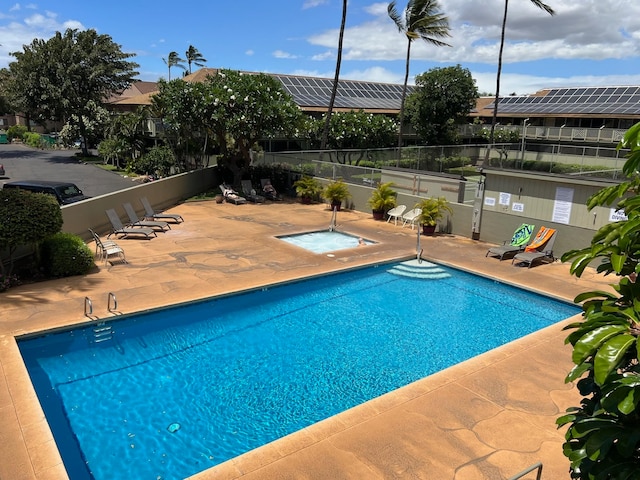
<point>517,207</point>
<point>490,201</point>
<point>562,205</point>
<point>617,215</point>
<point>505,198</point>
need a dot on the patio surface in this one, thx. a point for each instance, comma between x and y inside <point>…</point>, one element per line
<point>487,418</point>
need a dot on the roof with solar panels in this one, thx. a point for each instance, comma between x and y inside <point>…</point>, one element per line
<point>621,102</point>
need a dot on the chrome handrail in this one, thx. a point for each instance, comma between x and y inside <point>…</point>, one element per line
<point>87,302</point>
<point>115,302</point>
<point>528,470</point>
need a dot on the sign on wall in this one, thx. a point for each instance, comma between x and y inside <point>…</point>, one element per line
<point>562,205</point>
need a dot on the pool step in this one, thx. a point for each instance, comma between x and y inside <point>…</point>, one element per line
<point>102,333</point>
<point>423,270</point>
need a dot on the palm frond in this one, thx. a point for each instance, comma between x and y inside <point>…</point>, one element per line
<point>543,6</point>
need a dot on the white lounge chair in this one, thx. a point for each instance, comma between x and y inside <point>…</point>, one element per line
<point>411,217</point>
<point>396,213</point>
<point>135,221</point>
<point>231,196</point>
<point>119,229</point>
<point>150,214</point>
<point>107,248</point>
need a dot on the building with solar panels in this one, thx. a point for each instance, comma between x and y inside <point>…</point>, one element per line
<point>578,116</point>
<point>581,115</point>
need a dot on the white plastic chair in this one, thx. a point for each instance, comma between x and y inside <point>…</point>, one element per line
<point>411,217</point>
<point>396,213</point>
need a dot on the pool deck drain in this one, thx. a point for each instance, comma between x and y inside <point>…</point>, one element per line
<point>487,418</point>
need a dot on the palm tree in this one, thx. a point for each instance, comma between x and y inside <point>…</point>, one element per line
<point>538,4</point>
<point>334,89</point>
<point>420,20</point>
<point>173,60</point>
<point>195,57</point>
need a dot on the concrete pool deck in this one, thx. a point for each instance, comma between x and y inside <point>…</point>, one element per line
<point>487,418</point>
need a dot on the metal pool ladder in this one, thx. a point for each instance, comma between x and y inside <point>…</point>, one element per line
<point>533,467</point>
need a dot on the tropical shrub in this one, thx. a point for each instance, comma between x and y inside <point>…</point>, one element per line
<point>32,139</point>
<point>157,161</point>
<point>27,219</point>
<point>603,435</point>
<point>64,255</point>
<point>16,131</point>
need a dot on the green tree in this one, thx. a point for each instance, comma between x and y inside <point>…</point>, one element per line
<point>334,88</point>
<point>27,219</point>
<point>173,60</point>
<point>192,55</point>
<point>96,123</point>
<point>603,435</point>
<point>420,20</point>
<point>5,101</point>
<point>231,110</point>
<point>68,74</point>
<point>538,4</point>
<point>181,107</point>
<point>442,99</point>
<point>354,130</point>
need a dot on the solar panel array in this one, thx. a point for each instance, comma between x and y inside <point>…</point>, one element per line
<point>582,100</point>
<point>316,92</point>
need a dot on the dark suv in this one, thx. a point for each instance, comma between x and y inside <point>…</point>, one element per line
<point>64,192</point>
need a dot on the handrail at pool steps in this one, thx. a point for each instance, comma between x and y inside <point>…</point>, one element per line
<point>529,470</point>
<point>111,296</point>
<point>88,307</point>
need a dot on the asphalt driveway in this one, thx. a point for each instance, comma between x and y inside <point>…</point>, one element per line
<point>26,163</point>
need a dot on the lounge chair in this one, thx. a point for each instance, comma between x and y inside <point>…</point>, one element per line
<point>520,239</point>
<point>135,221</point>
<point>268,190</point>
<point>231,196</point>
<point>396,213</point>
<point>119,229</point>
<point>411,217</point>
<point>541,248</point>
<point>107,248</point>
<point>249,192</point>
<point>150,214</point>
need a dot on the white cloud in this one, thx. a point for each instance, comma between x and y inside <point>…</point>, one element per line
<point>249,52</point>
<point>323,56</point>
<point>588,29</point>
<point>282,54</point>
<point>313,3</point>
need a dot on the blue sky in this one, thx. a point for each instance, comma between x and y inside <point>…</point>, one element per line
<point>587,42</point>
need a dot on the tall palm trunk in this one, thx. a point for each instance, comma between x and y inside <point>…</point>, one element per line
<point>404,95</point>
<point>497,99</point>
<point>334,90</point>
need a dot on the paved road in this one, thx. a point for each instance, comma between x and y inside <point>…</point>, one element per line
<point>26,163</point>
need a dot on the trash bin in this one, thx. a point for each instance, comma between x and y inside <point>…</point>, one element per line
<point>3,138</point>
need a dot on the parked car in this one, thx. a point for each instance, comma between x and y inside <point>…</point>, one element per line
<point>64,192</point>
<point>2,173</point>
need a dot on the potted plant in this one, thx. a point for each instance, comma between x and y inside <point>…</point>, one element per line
<point>382,199</point>
<point>307,188</point>
<point>433,210</point>
<point>335,192</point>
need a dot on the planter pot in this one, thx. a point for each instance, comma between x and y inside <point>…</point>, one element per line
<point>336,205</point>
<point>378,214</point>
<point>219,198</point>
<point>428,229</point>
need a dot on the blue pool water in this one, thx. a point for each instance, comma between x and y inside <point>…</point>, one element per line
<point>173,392</point>
<point>324,241</point>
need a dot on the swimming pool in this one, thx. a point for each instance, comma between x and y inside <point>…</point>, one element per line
<point>176,391</point>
